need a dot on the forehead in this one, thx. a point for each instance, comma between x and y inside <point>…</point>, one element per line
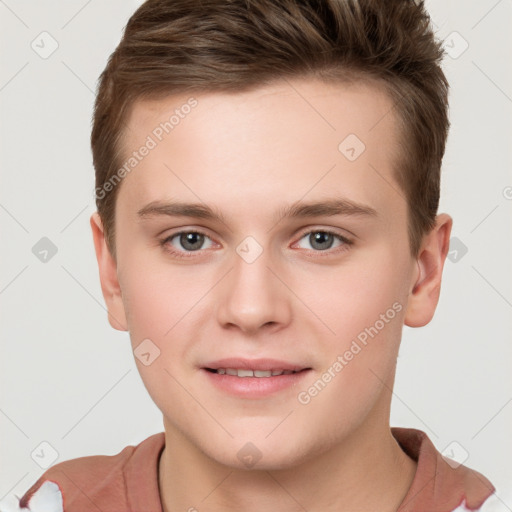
<point>274,144</point>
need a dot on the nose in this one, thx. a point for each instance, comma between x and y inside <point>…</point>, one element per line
<point>253,295</point>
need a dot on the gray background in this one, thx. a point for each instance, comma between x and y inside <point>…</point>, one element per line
<point>70,380</point>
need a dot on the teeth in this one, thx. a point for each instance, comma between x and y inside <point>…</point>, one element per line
<point>252,373</point>
<point>262,373</point>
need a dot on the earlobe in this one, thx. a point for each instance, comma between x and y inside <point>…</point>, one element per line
<point>107,267</point>
<point>425,293</point>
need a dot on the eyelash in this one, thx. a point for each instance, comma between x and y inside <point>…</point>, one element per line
<point>189,254</point>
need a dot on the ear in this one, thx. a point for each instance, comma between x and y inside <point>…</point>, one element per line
<point>108,276</point>
<point>425,292</point>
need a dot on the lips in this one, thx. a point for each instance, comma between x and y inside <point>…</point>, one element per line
<point>254,379</point>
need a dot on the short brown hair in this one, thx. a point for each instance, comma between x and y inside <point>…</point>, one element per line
<point>180,46</point>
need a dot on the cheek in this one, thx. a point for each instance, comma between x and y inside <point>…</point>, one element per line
<point>165,304</point>
<point>353,297</point>
<point>363,306</point>
<point>159,297</point>
<point>159,302</point>
<point>359,359</point>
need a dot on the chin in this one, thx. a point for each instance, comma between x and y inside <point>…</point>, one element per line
<point>260,455</point>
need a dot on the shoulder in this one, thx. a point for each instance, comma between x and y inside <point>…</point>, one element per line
<point>441,483</point>
<point>80,482</point>
<point>92,481</point>
<point>498,501</point>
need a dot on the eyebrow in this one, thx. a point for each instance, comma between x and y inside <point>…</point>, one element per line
<point>299,209</point>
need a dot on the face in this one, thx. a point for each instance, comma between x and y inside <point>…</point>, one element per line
<point>321,290</point>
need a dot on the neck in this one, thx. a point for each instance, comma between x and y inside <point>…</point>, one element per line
<point>366,471</point>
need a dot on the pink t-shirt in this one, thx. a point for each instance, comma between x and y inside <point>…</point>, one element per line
<point>128,481</point>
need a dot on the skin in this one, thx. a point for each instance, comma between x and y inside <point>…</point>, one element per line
<point>248,155</point>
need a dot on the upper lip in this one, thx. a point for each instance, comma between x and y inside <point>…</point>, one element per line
<point>254,364</point>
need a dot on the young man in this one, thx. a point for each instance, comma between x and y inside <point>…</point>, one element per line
<point>267,182</point>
